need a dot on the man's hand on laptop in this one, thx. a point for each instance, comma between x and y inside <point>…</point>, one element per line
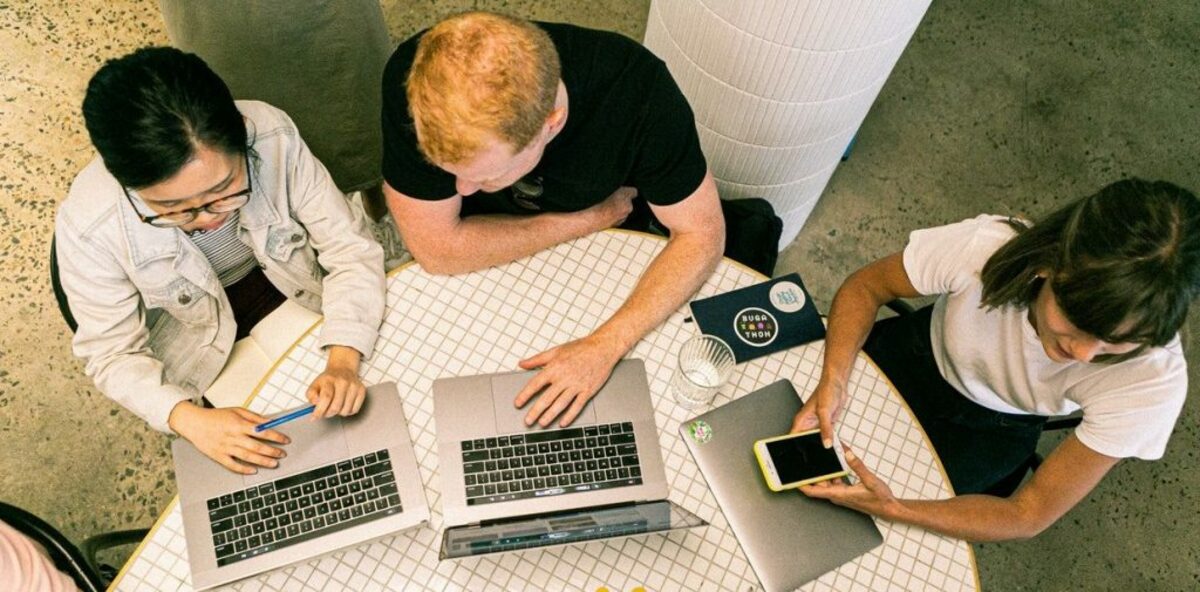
<point>338,390</point>
<point>571,375</point>
<point>227,436</point>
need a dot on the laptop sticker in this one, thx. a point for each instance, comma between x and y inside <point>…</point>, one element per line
<point>701,432</point>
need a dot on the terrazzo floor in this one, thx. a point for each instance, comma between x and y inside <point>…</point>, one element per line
<point>994,107</point>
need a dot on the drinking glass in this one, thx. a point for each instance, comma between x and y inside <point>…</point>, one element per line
<point>705,365</point>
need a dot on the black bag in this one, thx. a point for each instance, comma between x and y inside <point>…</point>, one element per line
<point>752,230</point>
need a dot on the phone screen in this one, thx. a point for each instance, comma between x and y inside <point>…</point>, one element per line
<point>802,457</point>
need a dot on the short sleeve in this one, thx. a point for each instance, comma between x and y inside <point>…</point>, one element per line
<point>948,259</point>
<point>404,167</point>
<point>670,164</point>
<point>1135,413</point>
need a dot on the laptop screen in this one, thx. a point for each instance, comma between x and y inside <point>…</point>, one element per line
<point>565,528</point>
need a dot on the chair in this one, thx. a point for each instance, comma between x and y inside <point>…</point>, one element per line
<point>59,294</point>
<point>77,562</point>
<point>1009,484</point>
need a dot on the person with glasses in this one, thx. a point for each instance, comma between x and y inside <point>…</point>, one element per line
<point>199,216</point>
<point>504,137</point>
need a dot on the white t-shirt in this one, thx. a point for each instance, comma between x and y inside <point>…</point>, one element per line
<point>994,356</point>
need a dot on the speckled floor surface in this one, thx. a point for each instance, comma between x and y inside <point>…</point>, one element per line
<point>997,107</point>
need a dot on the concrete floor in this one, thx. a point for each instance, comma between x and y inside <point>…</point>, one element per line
<point>1003,107</point>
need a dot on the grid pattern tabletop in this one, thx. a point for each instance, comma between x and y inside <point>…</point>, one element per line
<point>485,322</point>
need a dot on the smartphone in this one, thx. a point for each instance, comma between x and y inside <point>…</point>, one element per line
<point>792,460</point>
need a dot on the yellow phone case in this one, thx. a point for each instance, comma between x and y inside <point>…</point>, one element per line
<point>762,464</point>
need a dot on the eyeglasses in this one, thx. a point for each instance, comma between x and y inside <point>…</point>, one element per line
<point>220,205</point>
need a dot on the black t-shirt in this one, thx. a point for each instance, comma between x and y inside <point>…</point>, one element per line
<point>627,125</point>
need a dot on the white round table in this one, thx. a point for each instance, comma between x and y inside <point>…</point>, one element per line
<point>486,321</point>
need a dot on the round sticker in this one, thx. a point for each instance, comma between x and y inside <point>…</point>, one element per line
<point>701,431</point>
<point>787,297</point>
<point>755,326</point>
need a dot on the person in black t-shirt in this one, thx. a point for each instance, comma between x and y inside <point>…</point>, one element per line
<point>504,137</point>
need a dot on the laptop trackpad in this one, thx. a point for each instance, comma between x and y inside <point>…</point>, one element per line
<point>314,443</point>
<point>510,419</point>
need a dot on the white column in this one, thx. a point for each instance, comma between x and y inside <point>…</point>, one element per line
<point>780,87</point>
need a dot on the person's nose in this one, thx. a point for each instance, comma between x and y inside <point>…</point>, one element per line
<point>465,187</point>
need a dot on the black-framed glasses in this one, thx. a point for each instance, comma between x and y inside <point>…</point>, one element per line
<point>220,205</point>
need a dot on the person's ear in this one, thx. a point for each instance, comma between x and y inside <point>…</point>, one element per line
<point>556,119</point>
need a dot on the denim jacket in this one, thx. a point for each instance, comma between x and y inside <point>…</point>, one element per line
<point>155,326</point>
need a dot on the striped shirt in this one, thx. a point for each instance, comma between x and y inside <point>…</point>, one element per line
<point>229,256</point>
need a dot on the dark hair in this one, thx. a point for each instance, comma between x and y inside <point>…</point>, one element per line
<point>1124,263</point>
<point>147,111</point>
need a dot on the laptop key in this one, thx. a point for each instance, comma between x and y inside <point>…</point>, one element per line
<point>222,513</point>
<point>293,530</point>
<point>319,522</point>
<point>475,455</point>
<point>470,479</point>
<point>214,503</point>
<point>620,439</point>
<point>475,467</point>
<point>226,499</point>
<point>224,550</point>
<point>475,491</point>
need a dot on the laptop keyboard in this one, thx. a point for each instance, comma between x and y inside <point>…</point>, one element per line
<point>550,462</point>
<point>303,506</point>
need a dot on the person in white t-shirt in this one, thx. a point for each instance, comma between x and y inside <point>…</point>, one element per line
<point>1080,311</point>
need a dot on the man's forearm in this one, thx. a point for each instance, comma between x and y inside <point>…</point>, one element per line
<point>479,242</point>
<point>673,277</point>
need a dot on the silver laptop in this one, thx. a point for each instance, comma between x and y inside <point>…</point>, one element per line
<point>789,539</point>
<point>506,487</point>
<point>344,481</point>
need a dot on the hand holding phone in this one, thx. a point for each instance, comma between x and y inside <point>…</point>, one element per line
<point>792,460</point>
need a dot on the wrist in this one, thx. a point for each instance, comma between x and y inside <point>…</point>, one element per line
<point>342,357</point>
<point>181,417</point>
<point>610,342</point>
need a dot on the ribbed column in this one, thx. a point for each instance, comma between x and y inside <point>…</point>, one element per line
<point>779,87</point>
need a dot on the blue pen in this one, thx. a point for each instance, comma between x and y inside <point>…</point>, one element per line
<point>284,418</point>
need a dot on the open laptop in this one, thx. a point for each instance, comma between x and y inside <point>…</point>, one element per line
<point>507,487</point>
<point>344,481</point>
<point>789,539</point>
